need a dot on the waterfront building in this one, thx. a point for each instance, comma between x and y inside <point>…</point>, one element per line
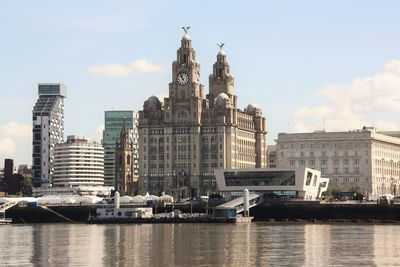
<point>185,137</point>
<point>47,130</point>
<point>78,162</point>
<point>114,120</point>
<point>126,163</point>
<point>2,185</point>
<point>292,183</point>
<point>361,159</point>
<point>271,156</point>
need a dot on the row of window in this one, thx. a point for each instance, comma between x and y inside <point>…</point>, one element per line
<point>325,162</point>
<point>323,145</point>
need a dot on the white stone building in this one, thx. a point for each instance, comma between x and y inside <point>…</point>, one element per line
<point>363,158</point>
<point>78,162</point>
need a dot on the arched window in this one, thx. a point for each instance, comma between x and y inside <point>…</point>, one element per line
<point>182,116</point>
<point>128,159</point>
<point>184,59</point>
<point>120,160</point>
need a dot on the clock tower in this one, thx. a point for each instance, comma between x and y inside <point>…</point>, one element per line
<point>221,80</point>
<point>185,91</point>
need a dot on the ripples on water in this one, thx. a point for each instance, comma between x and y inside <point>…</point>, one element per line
<point>256,244</point>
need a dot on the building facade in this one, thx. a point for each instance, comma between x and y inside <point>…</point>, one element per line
<point>78,162</point>
<point>185,137</point>
<point>48,130</point>
<point>114,121</point>
<point>363,159</point>
<point>126,164</point>
<point>293,183</point>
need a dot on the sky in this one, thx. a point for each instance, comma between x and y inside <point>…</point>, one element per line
<point>310,65</point>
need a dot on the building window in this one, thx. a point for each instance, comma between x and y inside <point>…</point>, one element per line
<point>128,159</point>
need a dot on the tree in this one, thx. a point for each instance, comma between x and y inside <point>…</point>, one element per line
<point>355,189</point>
<point>336,190</point>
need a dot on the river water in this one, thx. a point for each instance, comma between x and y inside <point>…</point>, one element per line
<point>255,244</point>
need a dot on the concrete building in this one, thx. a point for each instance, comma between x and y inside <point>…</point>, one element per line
<point>48,130</point>
<point>185,137</point>
<point>126,163</point>
<point>361,158</point>
<point>2,183</point>
<point>114,121</point>
<point>271,156</point>
<point>292,183</point>
<point>12,182</point>
<point>78,162</point>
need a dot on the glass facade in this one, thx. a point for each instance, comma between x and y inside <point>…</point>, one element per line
<point>113,123</point>
<point>259,178</point>
<point>52,89</point>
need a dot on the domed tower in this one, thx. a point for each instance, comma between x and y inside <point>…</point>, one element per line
<point>185,90</point>
<point>221,81</point>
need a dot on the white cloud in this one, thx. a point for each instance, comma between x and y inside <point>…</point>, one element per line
<point>14,137</point>
<point>136,67</point>
<point>7,147</point>
<point>15,130</point>
<point>350,106</point>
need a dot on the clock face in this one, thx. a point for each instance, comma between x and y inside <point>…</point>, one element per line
<point>182,78</point>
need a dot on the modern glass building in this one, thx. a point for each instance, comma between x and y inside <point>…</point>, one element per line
<point>47,130</point>
<point>114,120</point>
<point>299,183</point>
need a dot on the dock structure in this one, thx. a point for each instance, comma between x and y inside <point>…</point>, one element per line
<point>3,209</point>
<point>240,204</point>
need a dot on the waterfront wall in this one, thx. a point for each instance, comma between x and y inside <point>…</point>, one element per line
<point>268,211</point>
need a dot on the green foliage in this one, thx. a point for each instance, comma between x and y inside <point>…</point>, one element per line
<point>336,190</point>
<point>327,193</point>
<point>355,189</point>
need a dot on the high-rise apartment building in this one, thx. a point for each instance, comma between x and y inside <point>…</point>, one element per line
<point>78,162</point>
<point>183,139</point>
<point>48,130</point>
<point>114,121</point>
<point>363,158</point>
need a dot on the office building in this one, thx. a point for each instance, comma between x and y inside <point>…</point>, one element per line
<point>48,130</point>
<point>77,163</point>
<point>13,182</point>
<point>361,159</point>
<point>185,137</point>
<point>114,121</point>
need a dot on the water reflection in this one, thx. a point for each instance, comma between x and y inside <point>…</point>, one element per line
<point>256,244</point>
